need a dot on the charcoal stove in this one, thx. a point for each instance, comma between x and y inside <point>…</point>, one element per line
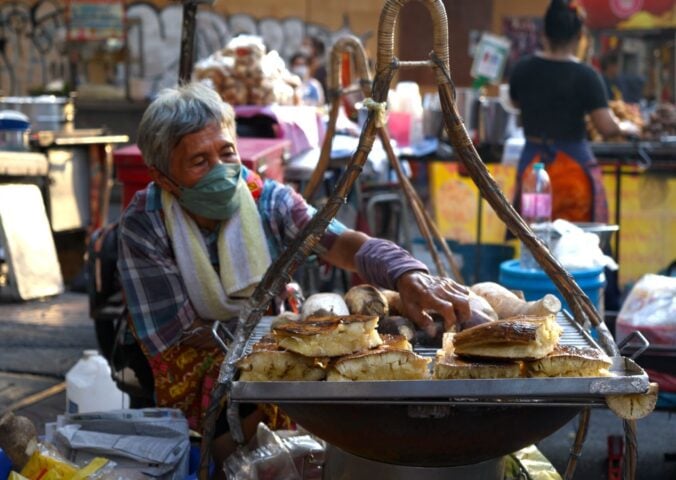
<point>442,423</point>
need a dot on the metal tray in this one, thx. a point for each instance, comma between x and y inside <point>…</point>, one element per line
<point>627,377</point>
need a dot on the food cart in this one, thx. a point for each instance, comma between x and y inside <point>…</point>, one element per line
<point>426,424</point>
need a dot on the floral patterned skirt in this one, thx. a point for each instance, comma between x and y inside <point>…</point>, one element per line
<point>184,377</point>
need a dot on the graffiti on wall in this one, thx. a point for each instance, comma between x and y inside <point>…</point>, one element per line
<point>31,45</point>
<point>33,50</point>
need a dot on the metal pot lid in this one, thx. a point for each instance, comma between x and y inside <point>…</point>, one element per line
<point>13,120</point>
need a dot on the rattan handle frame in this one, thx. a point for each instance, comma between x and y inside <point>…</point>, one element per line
<point>386,30</point>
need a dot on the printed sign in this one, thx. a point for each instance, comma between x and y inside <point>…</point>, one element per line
<point>95,19</point>
<point>490,57</point>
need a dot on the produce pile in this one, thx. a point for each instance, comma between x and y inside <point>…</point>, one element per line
<point>243,73</point>
<point>662,122</point>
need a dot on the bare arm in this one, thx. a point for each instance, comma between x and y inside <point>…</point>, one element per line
<point>608,125</point>
<point>344,249</point>
<point>420,292</point>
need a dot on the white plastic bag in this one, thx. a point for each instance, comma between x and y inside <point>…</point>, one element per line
<point>577,249</point>
<point>291,455</point>
<point>651,309</point>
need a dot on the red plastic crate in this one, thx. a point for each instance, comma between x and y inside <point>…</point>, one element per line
<point>264,155</point>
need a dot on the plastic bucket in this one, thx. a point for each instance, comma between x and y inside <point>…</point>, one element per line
<point>535,283</point>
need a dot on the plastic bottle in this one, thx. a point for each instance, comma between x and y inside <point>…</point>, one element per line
<point>90,387</point>
<point>536,209</point>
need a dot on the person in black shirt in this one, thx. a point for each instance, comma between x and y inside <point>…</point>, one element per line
<point>554,92</point>
<point>610,70</point>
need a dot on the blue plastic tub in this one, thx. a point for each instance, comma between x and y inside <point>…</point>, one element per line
<point>535,283</point>
<point>5,465</point>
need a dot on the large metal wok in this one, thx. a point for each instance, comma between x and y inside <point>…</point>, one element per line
<point>441,422</point>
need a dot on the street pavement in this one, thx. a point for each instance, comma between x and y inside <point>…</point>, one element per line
<point>41,340</point>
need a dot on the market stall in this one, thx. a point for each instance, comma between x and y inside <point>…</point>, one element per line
<point>419,407</point>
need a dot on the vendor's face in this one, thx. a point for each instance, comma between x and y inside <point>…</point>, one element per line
<point>197,153</point>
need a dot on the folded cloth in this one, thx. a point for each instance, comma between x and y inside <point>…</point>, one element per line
<point>243,256</point>
<point>299,124</point>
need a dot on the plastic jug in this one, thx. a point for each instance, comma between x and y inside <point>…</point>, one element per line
<point>90,387</point>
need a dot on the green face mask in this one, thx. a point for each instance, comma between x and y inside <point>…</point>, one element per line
<point>214,196</point>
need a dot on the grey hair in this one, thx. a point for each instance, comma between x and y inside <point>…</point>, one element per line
<point>175,113</point>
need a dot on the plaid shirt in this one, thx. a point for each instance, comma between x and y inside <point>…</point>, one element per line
<point>157,298</point>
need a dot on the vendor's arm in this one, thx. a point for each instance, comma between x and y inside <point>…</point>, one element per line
<point>609,126</point>
<point>420,291</point>
<point>602,117</point>
<point>379,262</point>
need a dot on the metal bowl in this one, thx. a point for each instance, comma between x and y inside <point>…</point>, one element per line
<point>429,436</point>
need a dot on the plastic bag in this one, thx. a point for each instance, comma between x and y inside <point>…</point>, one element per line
<point>577,249</point>
<point>651,309</point>
<point>274,455</point>
<point>529,463</point>
<point>46,463</point>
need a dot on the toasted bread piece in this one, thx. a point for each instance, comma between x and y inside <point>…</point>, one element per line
<point>329,336</point>
<point>454,367</point>
<point>366,300</point>
<point>635,405</point>
<point>267,342</point>
<point>397,342</point>
<point>266,365</point>
<point>447,343</point>
<point>382,363</point>
<point>517,338</point>
<point>569,361</point>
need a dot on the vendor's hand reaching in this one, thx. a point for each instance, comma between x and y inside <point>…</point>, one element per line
<point>422,293</point>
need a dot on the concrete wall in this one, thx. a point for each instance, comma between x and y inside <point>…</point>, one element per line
<point>33,49</point>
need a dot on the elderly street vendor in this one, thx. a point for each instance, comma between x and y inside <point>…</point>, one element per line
<point>200,237</point>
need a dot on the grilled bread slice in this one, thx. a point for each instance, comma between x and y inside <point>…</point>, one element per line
<point>331,336</point>
<point>517,338</point>
<point>397,342</point>
<point>453,367</point>
<point>382,363</point>
<point>267,362</point>
<point>569,361</point>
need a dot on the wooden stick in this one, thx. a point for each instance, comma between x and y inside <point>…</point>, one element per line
<point>325,154</point>
<point>576,449</point>
<point>631,450</point>
<point>345,44</point>
<point>34,398</point>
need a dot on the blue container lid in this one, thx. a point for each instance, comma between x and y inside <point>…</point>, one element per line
<point>13,120</point>
<point>513,267</point>
<point>535,283</point>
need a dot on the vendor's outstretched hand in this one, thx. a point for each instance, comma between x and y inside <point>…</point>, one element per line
<point>421,292</point>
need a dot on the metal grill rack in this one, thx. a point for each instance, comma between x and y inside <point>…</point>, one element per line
<point>627,377</point>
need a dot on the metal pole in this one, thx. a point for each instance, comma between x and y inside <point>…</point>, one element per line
<point>187,40</point>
